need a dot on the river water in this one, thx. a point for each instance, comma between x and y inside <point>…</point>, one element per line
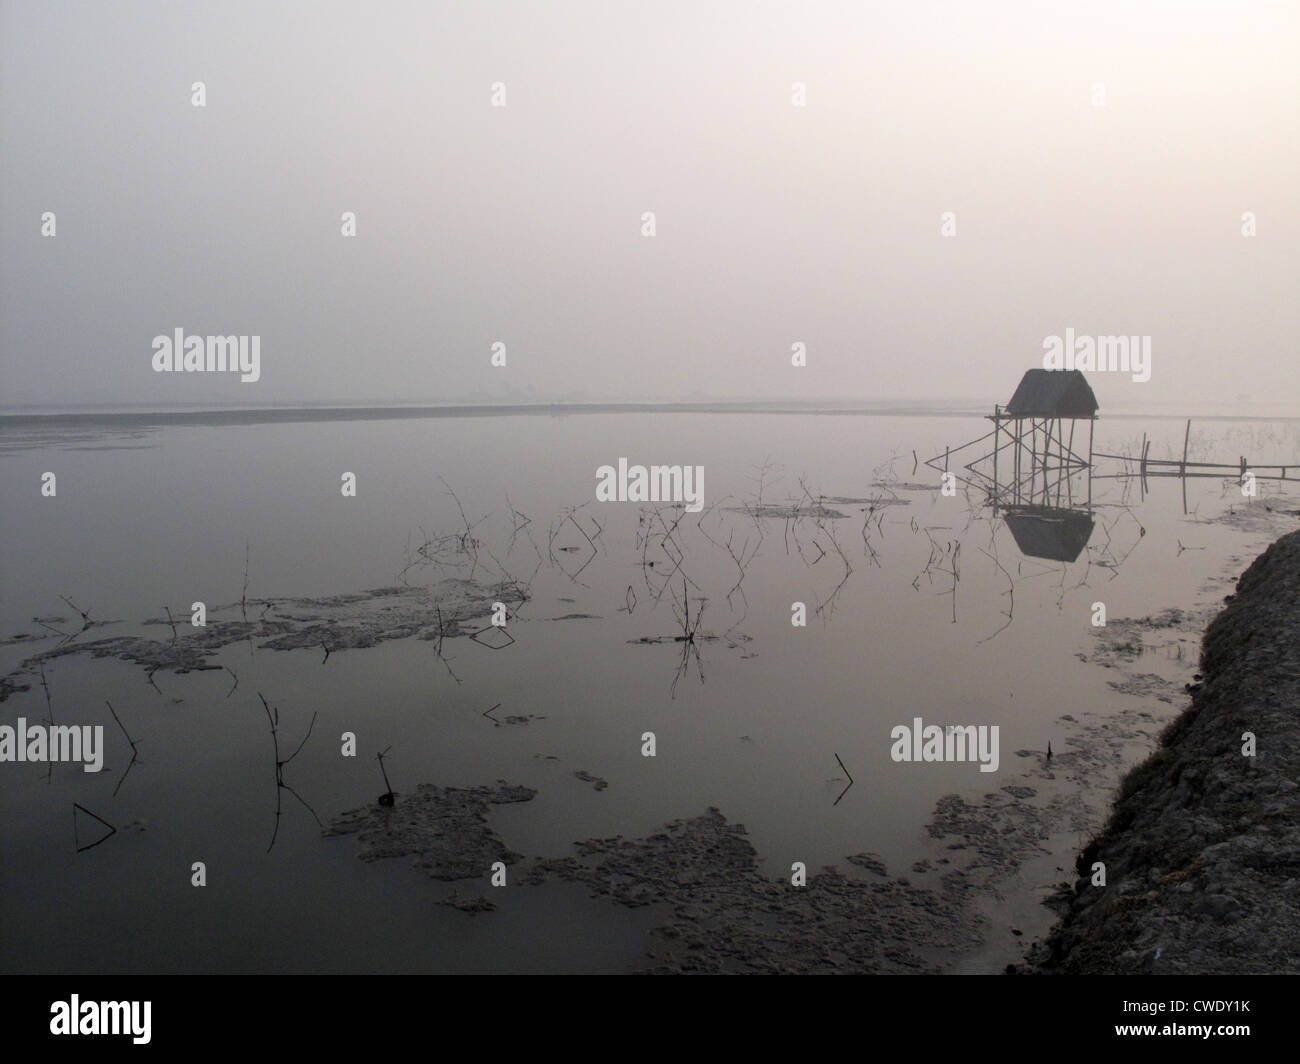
<point>754,717</point>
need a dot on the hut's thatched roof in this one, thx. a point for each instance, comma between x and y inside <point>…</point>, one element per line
<point>1053,393</point>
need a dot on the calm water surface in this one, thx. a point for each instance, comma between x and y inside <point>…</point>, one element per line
<point>154,516</point>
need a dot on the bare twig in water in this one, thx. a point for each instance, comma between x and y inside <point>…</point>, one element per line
<point>86,622</point>
<point>85,614</point>
<point>273,716</point>
<point>235,684</point>
<point>468,543</point>
<point>827,528</point>
<point>569,517</point>
<point>520,522</point>
<point>134,751</point>
<point>850,783</point>
<point>666,539</point>
<point>741,560</point>
<point>171,621</point>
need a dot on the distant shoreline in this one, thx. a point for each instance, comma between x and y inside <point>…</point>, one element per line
<point>273,415</point>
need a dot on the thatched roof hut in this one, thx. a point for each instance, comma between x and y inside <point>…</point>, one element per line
<point>1056,393</point>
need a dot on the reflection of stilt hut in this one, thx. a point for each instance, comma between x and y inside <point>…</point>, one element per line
<point>1033,457</point>
<point>1048,532</point>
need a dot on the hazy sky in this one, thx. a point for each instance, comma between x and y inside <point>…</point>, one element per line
<point>775,224</point>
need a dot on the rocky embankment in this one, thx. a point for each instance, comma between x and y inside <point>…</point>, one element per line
<point>1202,852</point>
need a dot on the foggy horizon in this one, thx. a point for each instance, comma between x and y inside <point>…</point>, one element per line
<point>1097,163</point>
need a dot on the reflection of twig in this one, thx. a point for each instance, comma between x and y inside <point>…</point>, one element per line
<point>1108,559</point>
<point>235,684</point>
<point>171,622</point>
<point>1010,591</point>
<point>56,631</point>
<point>938,554</point>
<point>134,751</point>
<point>687,640</point>
<point>437,645</point>
<point>76,840</point>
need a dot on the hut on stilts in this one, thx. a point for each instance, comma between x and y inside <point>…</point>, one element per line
<point>1028,472</point>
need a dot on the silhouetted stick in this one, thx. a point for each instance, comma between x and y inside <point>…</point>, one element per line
<point>85,614</point>
<point>235,684</point>
<point>49,710</point>
<point>387,798</point>
<point>171,622</point>
<point>243,598</point>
